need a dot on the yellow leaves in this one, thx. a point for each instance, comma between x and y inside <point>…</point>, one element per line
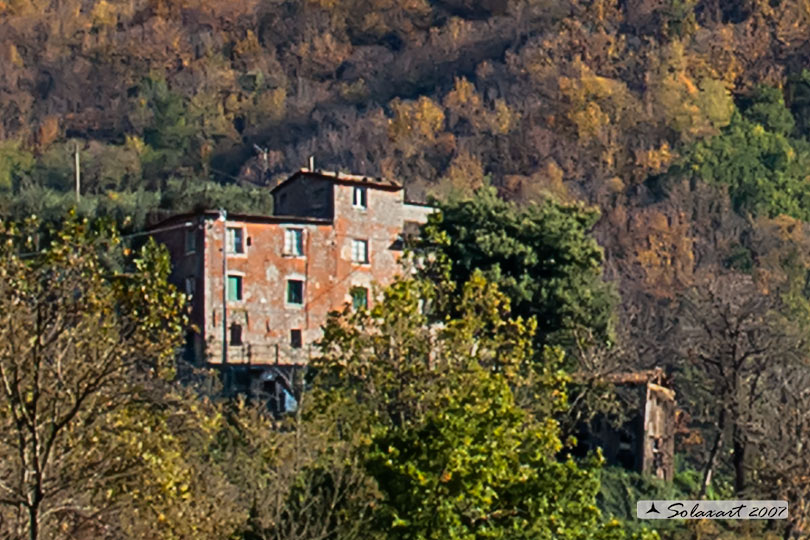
<point>248,46</point>
<point>103,14</point>
<point>786,227</point>
<point>589,120</point>
<point>548,182</point>
<point>354,92</point>
<point>787,250</point>
<point>505,118</point>
<point>656,160</point>
<point>615,185</point>
<point>324,4</point>
<point>421,7</point>
<point>273,104</point>
<point>722,53</point>
<point>458,28</point>
<point>415,123</point>
<point>135,143</point>
<point>595,101</point>
<point>666,254</point>
<point>465,102</point>
<point>9,52</point>
<point>464,175</point>
<point>687,83</point>
<point>462,94</point>
<point>696,109</point>
<point>451,38</point>
<point>422,118</point>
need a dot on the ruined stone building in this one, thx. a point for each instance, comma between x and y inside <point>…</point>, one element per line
<point>258,306</point>
<point>645,442</point>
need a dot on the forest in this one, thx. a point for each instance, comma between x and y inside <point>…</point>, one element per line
<point>671,136</point>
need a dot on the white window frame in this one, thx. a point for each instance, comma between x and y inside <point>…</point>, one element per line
<point>294,242</point>
<point>360,256</point>
<point>360,197</point>
<point>231,246</point>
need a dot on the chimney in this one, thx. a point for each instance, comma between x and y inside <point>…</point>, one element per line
<point>311,163</point>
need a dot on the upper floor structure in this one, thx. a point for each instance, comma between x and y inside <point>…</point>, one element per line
<point>261,286</point>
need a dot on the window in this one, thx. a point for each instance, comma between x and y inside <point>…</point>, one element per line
<point>236,334</point>
<point>294,242</point>
<point>235,288</point>
<point>360,251</point>
<point>359,197</point>
<point>295,291</point>
<point>236,240</point>
<point>191,286</point>
<point>295,338</point>
<point>359,298</point>
<point>191,241</point>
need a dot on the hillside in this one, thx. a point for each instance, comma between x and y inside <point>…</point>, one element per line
<point>685,122</point>
<point>589,101</point>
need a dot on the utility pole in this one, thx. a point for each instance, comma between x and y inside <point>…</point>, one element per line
<point>77,170</point>
<point>223,216</point>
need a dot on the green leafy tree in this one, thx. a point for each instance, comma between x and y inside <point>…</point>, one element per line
<point>429,404</point>
<point>755,156</point>
<point>169,132</point>
<point>14,163</point>
<point>541,256</point>
<point>766,106</point>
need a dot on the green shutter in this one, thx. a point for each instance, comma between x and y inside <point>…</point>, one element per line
<point>359,298</point>
<point>234,288</point>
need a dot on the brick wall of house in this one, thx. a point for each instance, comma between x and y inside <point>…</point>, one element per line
<point>263,314</point>
<point>259,325</point>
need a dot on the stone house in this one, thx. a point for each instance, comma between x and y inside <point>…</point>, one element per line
<point>262,300</point>
<point>645,441</point>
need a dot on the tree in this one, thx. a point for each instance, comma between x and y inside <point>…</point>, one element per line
<point>14,162</point>
<point>296,479</point>
<point>542,258</point>
<point>734,340</point>
<point>431,403</point>
<point>756,158</point>
<point>780,429</point>
<point>79,344</point>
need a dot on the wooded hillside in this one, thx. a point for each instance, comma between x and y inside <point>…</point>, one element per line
<point>685,123</point>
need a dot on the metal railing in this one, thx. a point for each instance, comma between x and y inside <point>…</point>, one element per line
<point>262,354</point>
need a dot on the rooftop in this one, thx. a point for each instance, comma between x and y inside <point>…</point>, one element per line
<point>235,216</point>
<point>343,178</point>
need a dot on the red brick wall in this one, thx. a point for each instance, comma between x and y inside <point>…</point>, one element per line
<point>264,315</point>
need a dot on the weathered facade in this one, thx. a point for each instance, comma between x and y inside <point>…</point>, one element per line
<point>266,283</point>
<point>646,441</point>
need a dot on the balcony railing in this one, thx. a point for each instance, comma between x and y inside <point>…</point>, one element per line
<point>262,353</point>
